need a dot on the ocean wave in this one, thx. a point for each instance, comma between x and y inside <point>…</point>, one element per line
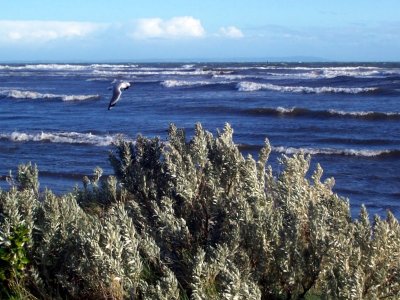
<point>326,74</point>
<point>183,83</point>
<point>158,69</point>
<point>102,68</point>
<point>365,114</point>
<point>320,71</point>
<point>112,72</point>
<point>357,71</point>
<point>248,86</point>
<point>79,97</point>
<point>148,71</point>
<point>19,94</point>
<point>98,79</point>
<point>296,111</point>
<point>309,68</point>
<point>339,73</point>
<point>62,137</point>
<point>113,66</point>
<point>188,66</point>
<point>347,68</point>
<point>64,67</point>
<point>179,71</point>
<point>233,76</point>
<point>44,67</point>
<point>324,151</point>
<point>331,151</point>
<point>193,69</point>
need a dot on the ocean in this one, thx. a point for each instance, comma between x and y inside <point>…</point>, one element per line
<point>346,115</point>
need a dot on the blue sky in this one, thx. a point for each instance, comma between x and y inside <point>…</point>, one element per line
<point>86,30</point>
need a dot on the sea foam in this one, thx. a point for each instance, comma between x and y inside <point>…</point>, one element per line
<point>62,137</point>
<point>365,114</point>
<point>63,67</point>
<point>298,111</point>
<point>20,94</point>
<point>331,151</point>
<point>233,76</point>
<point>181,83</point>
<point>248,86</point>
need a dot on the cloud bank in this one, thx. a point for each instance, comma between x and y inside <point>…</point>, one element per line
<point>177,27</point>
<point>14,32</point>
<point>231,32</point>
<point>44,31</point>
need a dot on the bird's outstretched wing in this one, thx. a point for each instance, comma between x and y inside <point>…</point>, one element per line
<point>115,97</point>
<point>118,87</point>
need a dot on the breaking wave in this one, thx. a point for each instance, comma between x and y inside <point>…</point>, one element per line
<point>45,67</point>
<point>18,94</point>
<point>233,76</point>
<point>63,67</point>
<point>247,86</point>
<point>62,137</point>
<point>324,72</point>
<point>330,151</point>
<point>188,66</point>
<point>184,83</point>
<point>196,69</point>
<point>157,71</point>
<point>98,79</point>
<point>294,111</point>
<point>365,114</point>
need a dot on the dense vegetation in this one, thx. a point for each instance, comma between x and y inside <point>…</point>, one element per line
<point>193,220</point>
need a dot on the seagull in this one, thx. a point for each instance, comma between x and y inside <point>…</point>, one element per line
<point>117,91</point>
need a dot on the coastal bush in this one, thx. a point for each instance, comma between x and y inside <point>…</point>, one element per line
<point>13,259</point>
<point>195,219</point>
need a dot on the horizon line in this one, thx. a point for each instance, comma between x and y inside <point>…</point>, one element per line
<point>194,60</point>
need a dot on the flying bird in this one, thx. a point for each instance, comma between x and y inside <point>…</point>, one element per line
<point>117,91</point>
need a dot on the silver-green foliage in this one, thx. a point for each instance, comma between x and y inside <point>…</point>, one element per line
<point>78,254</point>
<point>195,219</point>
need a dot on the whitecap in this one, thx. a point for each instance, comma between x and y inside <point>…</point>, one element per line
<point>363,113</point>
<point>20,94</point>
<point>232,76</point>
<point>323,72</point>
<point>112,66</point>
<point>143,71</point>
<point>188,66</point>
<point>111,73</point>
<point>45,67</point>
<point>98,79</point>
<point>248,86</point>
<point>63,138</point>
<point>330,151</point>
<point>64,67</point>
<point>283,110</point>
<point>180,83</point>
<point>79,97</point>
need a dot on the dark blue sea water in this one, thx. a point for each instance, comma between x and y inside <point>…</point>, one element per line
<point>346,115</point>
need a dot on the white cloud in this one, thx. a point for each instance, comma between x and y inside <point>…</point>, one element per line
<point>177,27</point>
<point>231,32</point>
<point>43,31</point>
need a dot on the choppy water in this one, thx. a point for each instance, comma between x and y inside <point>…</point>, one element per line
<point>346,115</point>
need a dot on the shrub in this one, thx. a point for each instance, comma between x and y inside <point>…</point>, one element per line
<point>195,219</point>
<point>13,259</point>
